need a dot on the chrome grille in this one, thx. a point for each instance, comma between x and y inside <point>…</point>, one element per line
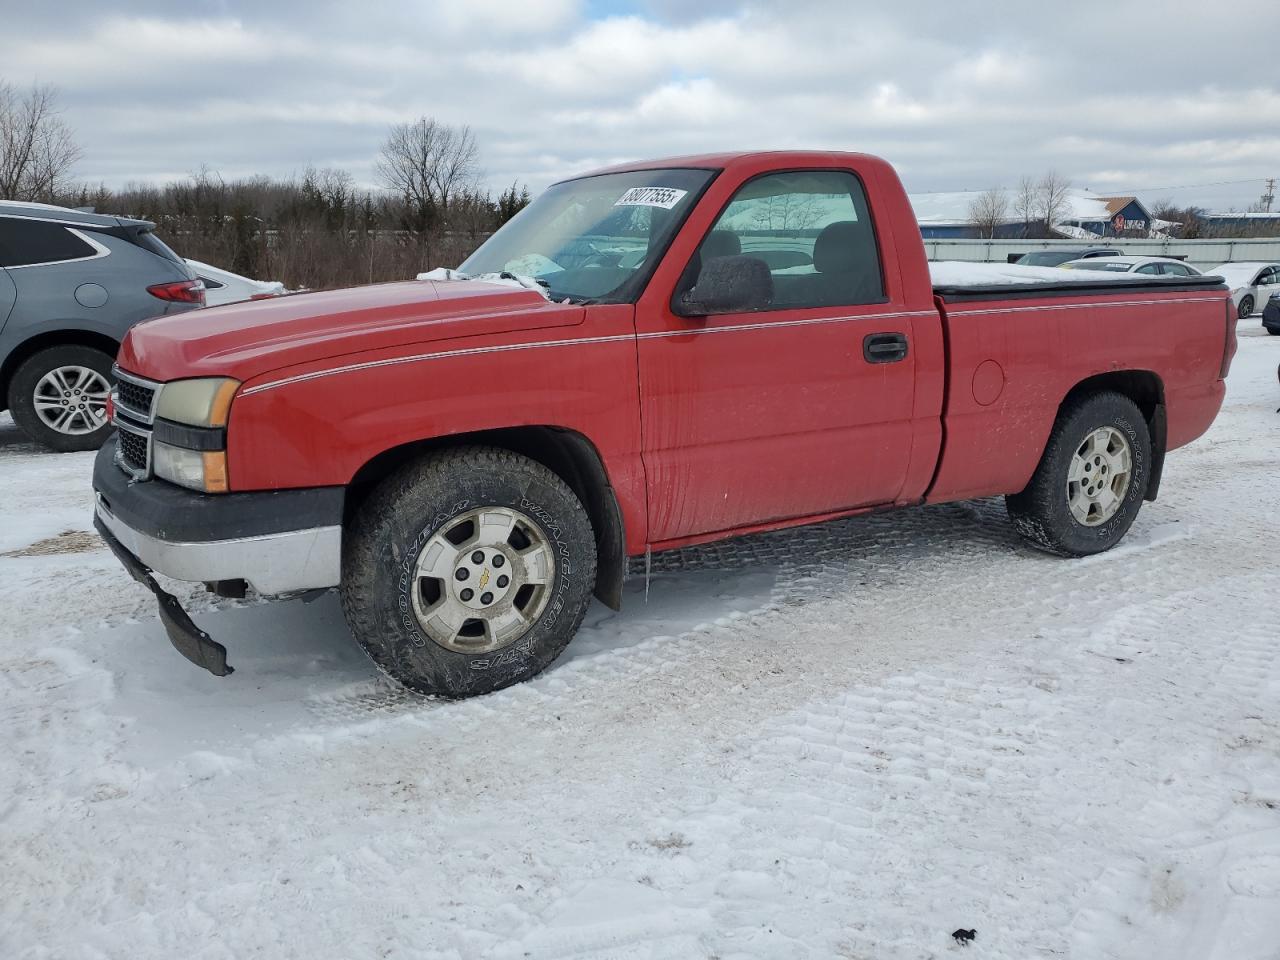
<point>132,448</point>
<point>135,411</point>
<point>136,396</point>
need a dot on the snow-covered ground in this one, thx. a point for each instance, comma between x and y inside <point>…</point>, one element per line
<point>844,741</point>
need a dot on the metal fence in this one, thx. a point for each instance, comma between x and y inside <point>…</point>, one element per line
<point>1199,253</point>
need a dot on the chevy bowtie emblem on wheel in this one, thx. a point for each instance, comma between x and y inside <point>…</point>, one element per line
<point>484,578</point>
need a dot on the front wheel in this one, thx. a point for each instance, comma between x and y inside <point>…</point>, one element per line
<point>468,571</point>
<point>1246,307</point>
<point>59,397</point>
<point>1091,481</point>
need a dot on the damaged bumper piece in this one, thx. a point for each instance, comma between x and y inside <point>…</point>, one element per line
<point>284,542</point>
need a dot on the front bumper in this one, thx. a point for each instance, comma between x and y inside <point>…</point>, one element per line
<point>278,542</point>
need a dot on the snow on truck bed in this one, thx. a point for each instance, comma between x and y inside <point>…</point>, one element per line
<point>957,273</point>
<point>847,740</point>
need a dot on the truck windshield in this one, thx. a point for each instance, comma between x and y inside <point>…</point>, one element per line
<point>596,238</point>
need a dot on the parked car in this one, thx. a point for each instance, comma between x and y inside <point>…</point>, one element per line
<point>1147,266</point>
<point>71,285</point>
<point>1271,315</point>
<point>1250,283</point>
<point>468,460</point>
<point>1057,257</point>
<point>223,286</point>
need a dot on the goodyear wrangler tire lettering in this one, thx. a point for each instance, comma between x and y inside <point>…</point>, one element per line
<point>398,561</point>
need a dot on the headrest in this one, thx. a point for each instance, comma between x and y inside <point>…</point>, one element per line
<point>836,249</point>
<point>721,243</point>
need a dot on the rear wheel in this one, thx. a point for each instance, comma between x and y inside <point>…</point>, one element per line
<point>1091,480</point>
<point>1246,307</point>
<point>58,397</point>
<point>468,571</point>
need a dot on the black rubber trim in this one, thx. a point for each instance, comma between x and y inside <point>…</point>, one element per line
<point>189,437</point>
<point>168,512</point>
<point>1158,426</point>
<point>1086,288</point>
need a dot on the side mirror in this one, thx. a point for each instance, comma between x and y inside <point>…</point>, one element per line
<point>728,285</point>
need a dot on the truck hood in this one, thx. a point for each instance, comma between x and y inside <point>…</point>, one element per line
<point>245,340</point>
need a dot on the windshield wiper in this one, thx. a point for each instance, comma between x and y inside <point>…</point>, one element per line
<point>508,275</point>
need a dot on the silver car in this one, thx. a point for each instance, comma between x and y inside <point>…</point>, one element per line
<point>71,285</point>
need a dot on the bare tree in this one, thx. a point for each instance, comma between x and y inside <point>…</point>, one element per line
<point>428,162</point>
<point>787,211</point>
<point>1025,202</point>
<point>1054,199</point>
<point>1190,220</point>
<point>989,210</point>
<point>36,147</point>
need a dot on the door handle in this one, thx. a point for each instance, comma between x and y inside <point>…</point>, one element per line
<point>884,347</point>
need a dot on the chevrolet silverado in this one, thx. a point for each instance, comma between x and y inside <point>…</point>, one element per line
<point>649,356</point>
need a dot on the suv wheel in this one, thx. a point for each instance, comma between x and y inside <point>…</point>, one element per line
<point>59,397</point>
<point>467,571</point>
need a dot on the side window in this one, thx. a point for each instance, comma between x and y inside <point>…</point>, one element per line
<point>1176,269</point>
<point>1269,276</point>
<point>1148,268</point>
<point>27,242</point>
<point>210,284</point>
<point>813,231</point>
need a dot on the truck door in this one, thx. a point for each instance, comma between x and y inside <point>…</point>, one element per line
<point>801,408</point>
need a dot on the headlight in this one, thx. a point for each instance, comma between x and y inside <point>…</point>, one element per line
<point>200,403</point>
<point>189,438</point>
<point>203,470</point>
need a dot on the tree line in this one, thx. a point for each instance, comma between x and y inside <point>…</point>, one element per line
<point>317,231</point>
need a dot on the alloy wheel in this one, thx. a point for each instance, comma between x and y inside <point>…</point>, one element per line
<point>483,579</point>
<point>72,400</point>
<point>1099,475</point>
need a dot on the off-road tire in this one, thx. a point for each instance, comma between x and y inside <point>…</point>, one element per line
<point>382,543</point>
<point>22,395</point>
<point>1041,512</point>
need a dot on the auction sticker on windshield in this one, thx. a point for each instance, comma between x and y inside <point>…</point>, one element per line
<point>664,197</point>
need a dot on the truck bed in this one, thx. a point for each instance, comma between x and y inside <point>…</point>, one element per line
<point>961,280</point>
<point>1015,349</point>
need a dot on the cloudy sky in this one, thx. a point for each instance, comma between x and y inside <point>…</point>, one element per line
<point>1117,95</point>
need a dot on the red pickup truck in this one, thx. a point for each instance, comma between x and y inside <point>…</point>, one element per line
<point>649,356</point>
